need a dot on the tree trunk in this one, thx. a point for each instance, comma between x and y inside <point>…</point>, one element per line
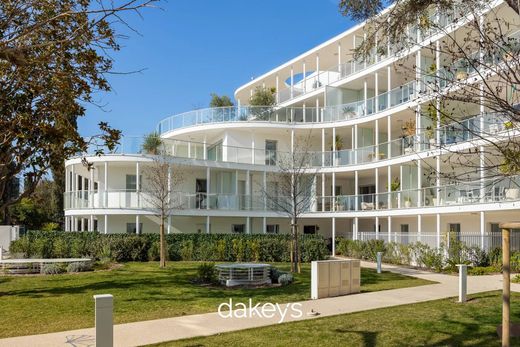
<point>162,246</point>
<point>298,262</point>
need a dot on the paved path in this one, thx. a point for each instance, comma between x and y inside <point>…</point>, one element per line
<point>160,330</point>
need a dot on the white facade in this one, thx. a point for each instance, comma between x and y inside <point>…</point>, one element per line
<point>226,155</point>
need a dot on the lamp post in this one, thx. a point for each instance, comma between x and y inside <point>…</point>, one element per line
<point>506,278</point>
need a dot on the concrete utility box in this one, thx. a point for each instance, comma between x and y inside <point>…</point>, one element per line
<point>334,278</point>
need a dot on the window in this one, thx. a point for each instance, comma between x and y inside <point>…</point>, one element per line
<point>338,191</point>
<point>270,152</point>
<point>95,228</point>
<point>454,227</point>
<point>272,228</point>
<point>310,229</point>
<point>405,228</point>
<point>96,186</point>
<point>130,228</point>
<point>80,182</point>
<point>131,183</point>
<point>238,228</point>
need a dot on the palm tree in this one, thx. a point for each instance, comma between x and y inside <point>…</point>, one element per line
<point>151,144</point>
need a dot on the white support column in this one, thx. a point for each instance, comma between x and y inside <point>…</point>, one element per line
<point>482,230</point>
<point>90,193</point>
<point>247,197</point>
<point>91,223</point>
<point>355,143</point>
<point>356,228</point>
<point>377,228</point>
<point>323,147</point>
<point>340,68</point>
<point>419,183</point>
<point>169,227</point>
<point>323,193</point>
<point>208,225</point>
<point>82,223</point>
<point>389,228</point>
<point>265,187</point>
<point>137,182</point>
<point>376,200</point>
<point>333,188</point>
<point>389,136</point>
<point>264,225</point>
<point>376,151</point>
<point>388,86</point>
<point>106,224</point>
<point>105,185</point>
<point>333,236</point>
<point>376,91</point>
<point>356,189</point>
<point>208,185</point>
<point>419,227</point>
<point>205,148</point>
<point>248,225</point>
<point>137,220</point>
<point>389,186</point>
<point>253,149</point>
<point>438,227</point>
<point>67,225</point>
<point>365,95</point>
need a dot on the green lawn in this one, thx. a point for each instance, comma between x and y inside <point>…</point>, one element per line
<point>435,323</point>
<point>142,291</point>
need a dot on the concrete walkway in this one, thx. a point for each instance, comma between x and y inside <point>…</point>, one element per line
<point>168,329</point>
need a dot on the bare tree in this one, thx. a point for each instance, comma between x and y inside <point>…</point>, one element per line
<point>470,86</point>
<point>160,179</point>
<point>295,179</point>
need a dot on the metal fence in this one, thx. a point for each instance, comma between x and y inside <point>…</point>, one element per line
<point>486,241</point>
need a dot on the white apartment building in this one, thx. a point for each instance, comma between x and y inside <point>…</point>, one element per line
<point>373,180</point>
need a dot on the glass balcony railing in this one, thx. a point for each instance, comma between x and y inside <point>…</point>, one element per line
<point>463,193</point>
<point>457,132</point>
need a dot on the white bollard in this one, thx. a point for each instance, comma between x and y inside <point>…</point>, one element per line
<point>463,282</point>
<point>104,320</point>
<point>379,259</point>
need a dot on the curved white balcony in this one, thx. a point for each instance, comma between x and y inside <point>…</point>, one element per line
<point>298,115</point>
<point>451,134</point>
<point>459,194</point>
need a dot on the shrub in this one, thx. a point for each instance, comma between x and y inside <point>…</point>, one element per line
<point>187,250</point>
<point>79,266</point>
<point>52,269</point>
<point>203,247</point>
<point>206,273</point>
<point>274,274</point>
<point>51,226</point>
<point>482,270</point>
<point>285,279</point>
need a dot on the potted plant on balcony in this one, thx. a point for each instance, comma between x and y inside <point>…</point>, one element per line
<point>408,130</point>
<point>349,111</point>
<point>407,202</point>
<point>152,143</point>
<point>430,135</point>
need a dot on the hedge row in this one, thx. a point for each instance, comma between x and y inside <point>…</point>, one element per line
<point>200,247</point>
<point>424,256</point>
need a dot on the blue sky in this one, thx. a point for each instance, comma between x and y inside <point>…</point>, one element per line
<point>190,49</point>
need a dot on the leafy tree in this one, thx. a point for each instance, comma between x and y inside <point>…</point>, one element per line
<point>38,210</point>
<point>152,143</point>
<point>220,101</point>
<point>293,195</point>
<point>263,97</point>
<point>52,60</point>
<point>160,180</point>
